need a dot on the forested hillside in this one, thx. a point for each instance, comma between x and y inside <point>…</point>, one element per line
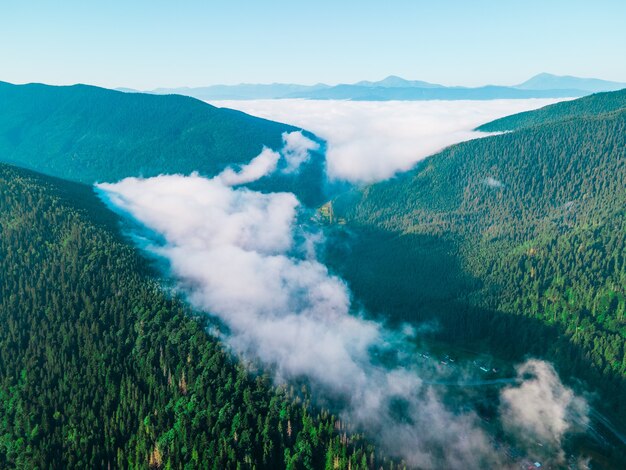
<point>516,240</point>
<point>99,368</point>
<point>90,134</point>
<point>593,105</point>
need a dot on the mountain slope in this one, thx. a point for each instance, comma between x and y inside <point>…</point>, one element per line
<point>100,369</point>
<point>90,134</point>
<point>589,106</point>
<point>516,239</point>
<point>546,81</point>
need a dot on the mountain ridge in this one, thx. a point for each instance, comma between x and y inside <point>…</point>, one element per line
<point>394,87</point>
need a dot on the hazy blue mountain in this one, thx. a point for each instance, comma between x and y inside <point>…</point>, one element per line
<point>249,91</point>
<point>380,93</point>
<point>244,91</point>
<point>393,81</point>
<point>398,88</point>
<point>546,81</point>
<point>88,134</point>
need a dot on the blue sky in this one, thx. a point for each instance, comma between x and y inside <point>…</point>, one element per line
<point>145,44</point>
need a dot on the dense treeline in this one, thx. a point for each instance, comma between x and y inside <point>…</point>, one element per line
<point>89,134</point>
<point>530,223</point>
<point>99,368</point>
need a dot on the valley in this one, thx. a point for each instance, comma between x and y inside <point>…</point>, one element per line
<point>313,235</point>
<point>422,308</point>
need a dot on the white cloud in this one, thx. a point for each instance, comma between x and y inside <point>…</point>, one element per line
<point>261,165</point>
<point>493,183</point>
<point>244,257</point>
<point>370,141</point>
<point>231,250</point>
<point>296,150</point>
<point>541,406</point>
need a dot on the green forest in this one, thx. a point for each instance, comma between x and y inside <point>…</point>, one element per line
<point>516,242</point>
<point>99,368</point>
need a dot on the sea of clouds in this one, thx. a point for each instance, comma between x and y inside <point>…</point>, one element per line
<point>371,141</point>
<point>249,259</point>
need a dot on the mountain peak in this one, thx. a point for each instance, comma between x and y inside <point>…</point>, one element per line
<point>394,81</point>
<point>548,81</point>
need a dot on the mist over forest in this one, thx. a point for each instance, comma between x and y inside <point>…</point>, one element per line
<point>300,236</point>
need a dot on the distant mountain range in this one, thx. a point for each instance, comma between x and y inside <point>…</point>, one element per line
<point>543,85</point>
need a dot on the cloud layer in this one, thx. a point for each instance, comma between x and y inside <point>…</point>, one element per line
<point>371,141</point>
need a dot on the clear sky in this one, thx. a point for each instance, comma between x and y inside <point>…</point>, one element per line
<point>149,43</point>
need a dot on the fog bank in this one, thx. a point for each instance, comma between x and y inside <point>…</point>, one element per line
<point>371,141</point>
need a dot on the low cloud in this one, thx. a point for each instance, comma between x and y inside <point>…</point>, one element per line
<point>493,183</point>
<point>261,165</point>
<point>541,406</point>
<point>371,141</point>
<point>249,259</point>
<point>295,151</point>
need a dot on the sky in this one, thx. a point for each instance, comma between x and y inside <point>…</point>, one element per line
<point>145,44</point>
